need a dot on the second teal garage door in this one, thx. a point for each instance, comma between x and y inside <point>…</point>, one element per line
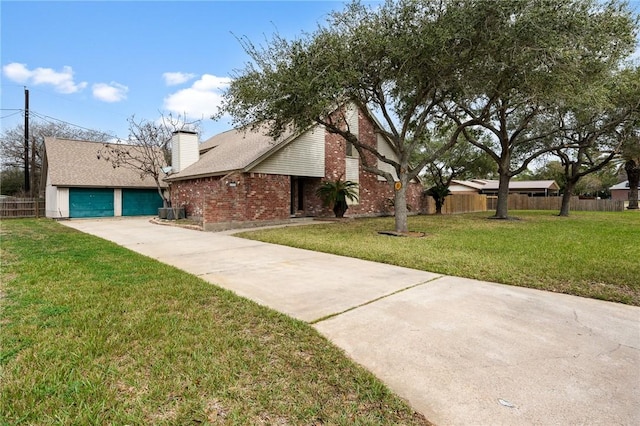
<point>90,202</point>
<point>140,202</point>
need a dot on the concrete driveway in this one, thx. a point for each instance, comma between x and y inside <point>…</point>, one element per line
<point>462,352</point>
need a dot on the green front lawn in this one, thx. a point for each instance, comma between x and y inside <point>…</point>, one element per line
<point>590,254</point>
<point>92,333</point>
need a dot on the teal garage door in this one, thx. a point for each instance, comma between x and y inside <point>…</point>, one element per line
<point>140,202</point>
<point>90,202</point>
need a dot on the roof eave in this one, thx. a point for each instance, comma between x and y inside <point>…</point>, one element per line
<point>202,175</point>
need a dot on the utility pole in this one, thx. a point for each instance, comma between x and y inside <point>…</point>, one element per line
<point>27,180</point>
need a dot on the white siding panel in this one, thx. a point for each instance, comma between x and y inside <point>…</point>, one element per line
<point>184,151</point>
<point>117,202</point>
<point>63,202</point>
<point>352,119</point>
<point>352,173</point>
<point>302,157</point>
<point>56,202</point>
<point>385,149</point>
<point>51,201</point>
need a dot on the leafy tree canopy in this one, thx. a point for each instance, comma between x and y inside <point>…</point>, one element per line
<point>531,57</point>
<point>395,61</point>
<point>494,66</point>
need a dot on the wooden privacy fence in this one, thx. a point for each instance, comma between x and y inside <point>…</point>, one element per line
<point>21,207</point>
<point>459,203</point>
<point>524,202</point>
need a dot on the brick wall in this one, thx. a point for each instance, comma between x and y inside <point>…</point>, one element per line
<point>235,198</point>
<point>620,194</point>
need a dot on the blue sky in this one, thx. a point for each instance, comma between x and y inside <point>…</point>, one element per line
<point>94,64</point>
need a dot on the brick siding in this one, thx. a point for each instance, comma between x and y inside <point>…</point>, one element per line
<point>234,198</point>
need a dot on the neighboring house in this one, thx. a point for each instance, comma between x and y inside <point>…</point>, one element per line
<point>620,191</point>
<point>79,184</point>
<point>244,177</point>
<point>532,188</point>
<point>465,187</point>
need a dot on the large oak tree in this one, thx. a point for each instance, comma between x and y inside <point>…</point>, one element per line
<point>496,66</point>
<point>394,63</point>
<point>595,133</point>
<point>531,57</point>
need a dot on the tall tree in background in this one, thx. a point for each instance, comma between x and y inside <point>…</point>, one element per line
<point>393,61</point>
<point>148,148</point>
<point>532,56</point>
<point>595,133</point>
<point>12,149</point>
<point>630,135</point>
<point>631,157</point>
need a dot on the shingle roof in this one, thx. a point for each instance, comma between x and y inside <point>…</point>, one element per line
<point>487,184</point>
<point>470,184</point>
<point>622,185</point>
<point>232,150</point>
<point>523,184</point>
<point>74,163</point>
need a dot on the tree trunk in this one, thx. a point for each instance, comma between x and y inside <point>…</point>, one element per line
<point>439,203</point>
<point>566,197</point>
<point>633,174</point>
<point>400,204</point>
<point>502,208</point>
<point>165,202</point>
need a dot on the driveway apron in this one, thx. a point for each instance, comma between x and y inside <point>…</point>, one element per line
<point>462,352</point>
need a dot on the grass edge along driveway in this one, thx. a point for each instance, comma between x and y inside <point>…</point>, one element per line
<point>92,333</point>
<point>589,254</point>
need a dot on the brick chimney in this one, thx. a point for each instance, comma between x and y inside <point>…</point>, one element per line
<point>184,150</point>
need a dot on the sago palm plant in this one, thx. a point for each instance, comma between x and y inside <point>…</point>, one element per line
<point>336,193</point>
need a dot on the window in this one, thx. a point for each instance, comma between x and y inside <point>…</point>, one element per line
<point>349,148</point>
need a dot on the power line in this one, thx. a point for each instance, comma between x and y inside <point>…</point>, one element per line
<point>49,118</point>
<point>53,120</point>
<point>11,115</point>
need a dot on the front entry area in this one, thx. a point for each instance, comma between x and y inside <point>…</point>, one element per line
<point>304,202</point>
<point>297,196</point>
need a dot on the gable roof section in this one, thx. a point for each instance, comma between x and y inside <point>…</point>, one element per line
<point>470,184</point>
<point>492,185</point>
<point>622,185</point>
<point>74,163</point>
<point>233,150</point>
<point>246,149</point>
<point>522,184</point>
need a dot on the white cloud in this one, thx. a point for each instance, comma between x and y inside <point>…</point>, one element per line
<point>175,78</point>
<point>17,72</point>
<point>202,99</point>
<point>211,82</point>
<point>62,81</point>
<point>112,92</point>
